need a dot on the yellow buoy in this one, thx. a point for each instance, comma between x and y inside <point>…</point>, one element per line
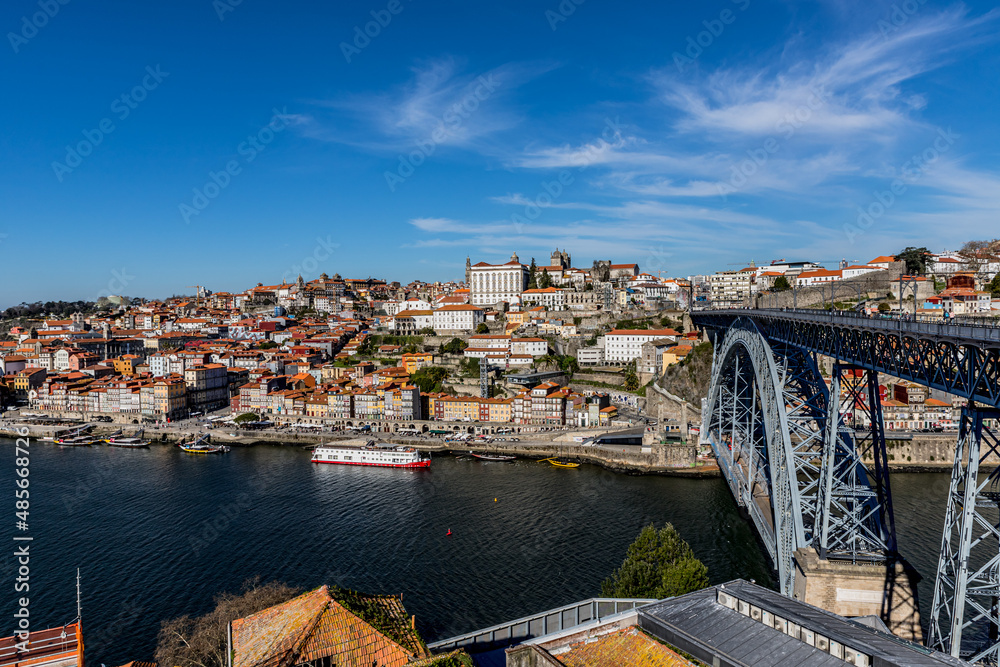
<point>494,500</point>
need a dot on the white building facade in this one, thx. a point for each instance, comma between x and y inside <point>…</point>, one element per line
<point>624,345</point>
<point>495,283</point>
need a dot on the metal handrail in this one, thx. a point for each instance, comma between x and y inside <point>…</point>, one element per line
<point>498,635</point>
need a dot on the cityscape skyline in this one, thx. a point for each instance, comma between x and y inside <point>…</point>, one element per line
<point>750,131</point>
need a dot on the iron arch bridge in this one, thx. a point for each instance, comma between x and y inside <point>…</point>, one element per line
<point>807,460</point>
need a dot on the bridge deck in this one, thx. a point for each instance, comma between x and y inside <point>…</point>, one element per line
<point>961,358</point>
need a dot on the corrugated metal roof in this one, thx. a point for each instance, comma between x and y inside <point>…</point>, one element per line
<point>698,620</point>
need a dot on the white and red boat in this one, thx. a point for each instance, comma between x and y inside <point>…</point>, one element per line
<point>368,453</point>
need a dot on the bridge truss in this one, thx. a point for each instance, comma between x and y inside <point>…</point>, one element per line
<point>790,459</point>
<point>809,463</point>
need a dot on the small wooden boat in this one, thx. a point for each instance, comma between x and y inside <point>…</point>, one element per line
<point>128,443</point>
<point>562,464</point>
<point>493,457</point>
<point>199,446</point>
<point>76,441</point>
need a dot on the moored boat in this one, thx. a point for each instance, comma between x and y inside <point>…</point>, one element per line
<point>562,464</point>
<point>370,453</point>
<point>130,443</point>
<point>75,441</point>
<point>200,446</point>
<point>493,457</point>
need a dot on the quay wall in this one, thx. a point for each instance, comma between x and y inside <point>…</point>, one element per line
<point>662,459</point>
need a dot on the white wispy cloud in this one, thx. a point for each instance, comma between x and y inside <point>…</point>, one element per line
<point>441,102</point>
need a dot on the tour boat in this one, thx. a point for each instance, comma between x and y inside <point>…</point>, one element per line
<point>493,457</point>
<point>562,464</point>
<point>368,453</point>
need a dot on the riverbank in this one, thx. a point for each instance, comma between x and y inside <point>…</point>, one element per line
<point>627,459</point>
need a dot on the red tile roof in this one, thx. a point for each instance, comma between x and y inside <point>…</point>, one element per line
<point>628,646</point>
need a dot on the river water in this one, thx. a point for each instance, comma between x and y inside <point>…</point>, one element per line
<point>158,533</point>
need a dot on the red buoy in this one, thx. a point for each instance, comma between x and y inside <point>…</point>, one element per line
<point>449,532</point>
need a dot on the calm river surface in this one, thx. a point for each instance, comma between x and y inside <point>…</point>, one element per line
<point>158,533</point>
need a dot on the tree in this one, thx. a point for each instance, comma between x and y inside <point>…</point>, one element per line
<point>631,379</point>
<point>430,378</point>
<point>267,345</point>
<point>568,364</point>
<point>659,564</point>
<point>532,275</point>
<point>916,260</point>
<point>545,281</point>
<point>884,307</point>
<point>246,417</point>
<point>781,284</point>
<point>201,642</point>
<point>977,255</point>
<point>454,346</point>
<point>482,328</point>
<point>994,286</point>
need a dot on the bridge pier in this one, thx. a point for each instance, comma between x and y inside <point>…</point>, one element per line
<point>885,590</point>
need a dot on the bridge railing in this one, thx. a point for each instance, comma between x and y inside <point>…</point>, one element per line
<point>538,625</point>
<point>979,329</point>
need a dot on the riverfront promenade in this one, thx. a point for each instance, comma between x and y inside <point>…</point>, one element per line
<point>540,445</point>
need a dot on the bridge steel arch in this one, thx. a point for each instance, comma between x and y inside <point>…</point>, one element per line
<point>788,458</point>
<point>852,516</point>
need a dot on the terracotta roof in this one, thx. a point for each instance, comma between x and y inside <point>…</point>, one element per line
<point>314,625</point>
<point>628,646</point>
<point>458,307</point>
<point>658,333</point>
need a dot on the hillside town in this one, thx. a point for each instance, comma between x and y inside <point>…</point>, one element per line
<point>513,343</point>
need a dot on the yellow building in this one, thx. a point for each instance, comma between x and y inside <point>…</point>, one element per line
<point>498,409</point>
<point>170,397</point>
<point>125,364</point>
<point>675,354</point>
<point>457,408</point>
<point>518,317</point>
<point>413,361</point>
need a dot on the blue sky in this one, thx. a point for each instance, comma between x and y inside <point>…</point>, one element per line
<point>151,146</point>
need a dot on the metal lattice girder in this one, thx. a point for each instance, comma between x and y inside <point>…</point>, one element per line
<point>965,617</point>
<point>748,427</point>
<point>963,360</point>
<point>484,378</point>
<point>855,502</point>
